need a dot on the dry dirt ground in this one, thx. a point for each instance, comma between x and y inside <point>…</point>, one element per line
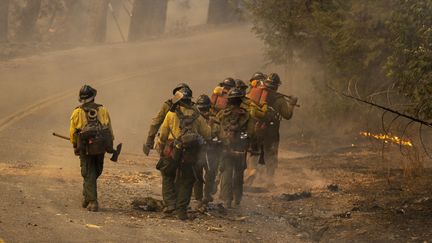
<point>40,183</point>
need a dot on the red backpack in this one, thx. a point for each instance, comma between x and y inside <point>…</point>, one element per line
<point>258,95</point>
<point>219,101</point>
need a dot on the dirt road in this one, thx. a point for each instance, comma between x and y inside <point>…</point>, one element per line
<point>40,182</point>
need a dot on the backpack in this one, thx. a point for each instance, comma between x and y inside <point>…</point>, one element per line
<point>94,138</point>
<point>219,99</point>
<point>269,125</point>
<point>234,129</point>
<point>188,144</point>
<point>259,95</point>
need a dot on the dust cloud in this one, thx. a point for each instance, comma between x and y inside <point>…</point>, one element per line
<point>134,79</point>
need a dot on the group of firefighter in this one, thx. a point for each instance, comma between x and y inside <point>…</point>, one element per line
<point>210,142</point>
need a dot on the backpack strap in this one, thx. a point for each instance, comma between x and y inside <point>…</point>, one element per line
<point>186,121</point>
<point>88,107</point>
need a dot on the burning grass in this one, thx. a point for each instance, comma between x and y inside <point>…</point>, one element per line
<point>388,138</point>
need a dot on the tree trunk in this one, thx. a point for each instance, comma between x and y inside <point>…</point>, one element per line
<point>74,22</point>
<point>74,27</point>
<point>4,12</point>
<point>148,19</point>
<point>99,20</point>
<point>117,6</point>
<point>222,11</point>
<point>28,18</point>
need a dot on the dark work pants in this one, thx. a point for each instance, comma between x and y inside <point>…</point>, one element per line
<point>232,169</point>
<point>168,171</point>
<point>184,183</point>
<point>208,163</point>
<point>177,184</point>
<point>91,169</point>
<point>271,149</point>
<point>198,185</point>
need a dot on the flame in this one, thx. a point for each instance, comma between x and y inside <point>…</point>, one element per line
<point>388,138</point>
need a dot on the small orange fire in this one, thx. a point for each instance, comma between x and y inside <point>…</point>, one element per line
<point>388,138</point>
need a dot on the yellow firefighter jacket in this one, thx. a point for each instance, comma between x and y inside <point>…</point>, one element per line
<point>78,121</point>
<point>158,119</point>
<point>170,128</point>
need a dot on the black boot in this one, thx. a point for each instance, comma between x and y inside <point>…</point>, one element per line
<point>93,206</point>
<point>182,215</point>
<point>84,203</point>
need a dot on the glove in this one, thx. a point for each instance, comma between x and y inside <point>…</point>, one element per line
<point>293,101</point>
<point>146,149</point>
<point>150,142</point>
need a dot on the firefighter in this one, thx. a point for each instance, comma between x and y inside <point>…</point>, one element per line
<point>257,79</point>
<point>158,119</point>
<point>219,101</point>
<point>87,120</point>
<point>225,86</point>
<point>209,157</point>
<point>241,85</point>
<point>235,127</point>
<point>268,132</point>
<point>257,112</point>
<point>219,97</point>
<point>181,136</point>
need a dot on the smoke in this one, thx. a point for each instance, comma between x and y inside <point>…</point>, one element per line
<point>134,79</point>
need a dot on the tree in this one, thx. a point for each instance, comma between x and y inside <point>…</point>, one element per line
<point>98,20</point>
<point>349,38</point>
<point>148,19</point>
<point>74,26</point>
<point>222,11</point>
<point>410,63</point>
<point>28,18</point>
<point>81,21</point>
